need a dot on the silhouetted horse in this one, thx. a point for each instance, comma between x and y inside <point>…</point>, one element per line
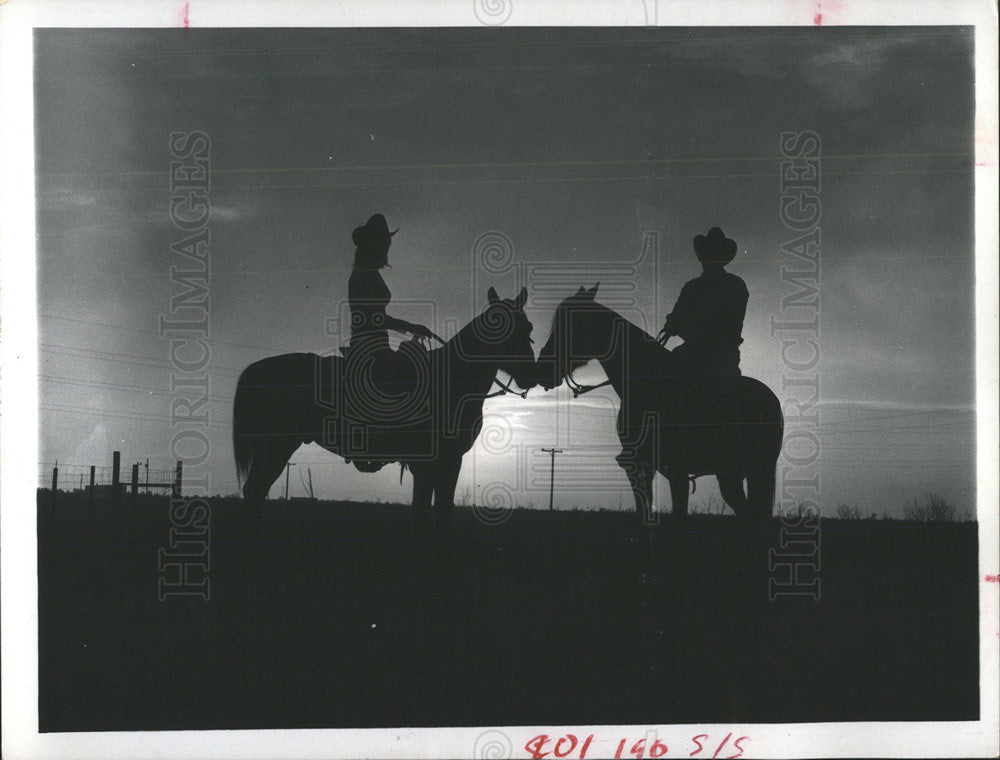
<point>284,401</point>
<point>660,427</point>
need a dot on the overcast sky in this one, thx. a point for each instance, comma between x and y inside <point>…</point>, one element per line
<point>572,144</point>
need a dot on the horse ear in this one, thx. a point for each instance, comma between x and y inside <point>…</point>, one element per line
<point>580,292</point>
<point>593,291</point>
<point>521,300</point>
<point>491,294</point>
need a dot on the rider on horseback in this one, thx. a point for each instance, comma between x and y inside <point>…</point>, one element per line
<point>383,382</point>
<point>709,317</point>
<point>709,312</point>
<point>367,293</point>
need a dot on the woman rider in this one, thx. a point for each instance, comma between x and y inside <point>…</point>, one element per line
<point>392,372</point>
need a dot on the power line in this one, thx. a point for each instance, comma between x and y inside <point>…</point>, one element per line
<point>568,180</point>
<point>157,334</point>
<point>120,414</point>
<point>149,390</point>
<point>568,163</point>
<point>148,362</point>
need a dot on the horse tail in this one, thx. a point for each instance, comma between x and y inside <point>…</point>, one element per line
<point>403,467</point>
<point>243,413</point>
<point>761,489</point>
<point>770,429</point>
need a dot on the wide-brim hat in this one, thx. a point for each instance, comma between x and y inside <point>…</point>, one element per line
<point>373,230</point>
<point>715,247</point>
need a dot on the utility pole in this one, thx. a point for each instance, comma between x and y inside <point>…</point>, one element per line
<point>552,473</point>
<point>288,469</point>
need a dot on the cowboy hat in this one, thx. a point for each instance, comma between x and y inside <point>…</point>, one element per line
<point>715,247</point>
<point>374,229</point>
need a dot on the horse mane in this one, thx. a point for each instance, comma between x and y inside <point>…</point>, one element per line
<point>469,332</point>
<point>650,350</point>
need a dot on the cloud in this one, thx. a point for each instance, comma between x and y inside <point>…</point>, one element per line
<point>223,214</point>
<point>894,405</point>
<point>93,448</point>
<point>62,199</point>
<point>228,213</point>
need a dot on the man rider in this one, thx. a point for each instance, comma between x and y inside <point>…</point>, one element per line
<point>709,317</point>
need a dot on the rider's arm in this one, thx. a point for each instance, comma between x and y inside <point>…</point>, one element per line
<point>674,322</point>
<point>401,325</point>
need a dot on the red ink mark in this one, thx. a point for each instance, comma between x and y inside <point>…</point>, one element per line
<point>833,7</point>
<point>187,19</point>
<point>737,743</point>
<point>696,740</point>
<point>717,751</point>
<point>534,746</point>
<point>570,739</point>
<point>993,578</point>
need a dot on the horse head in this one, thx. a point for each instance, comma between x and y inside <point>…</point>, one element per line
<point>576,337</point>
<point>502,333</point>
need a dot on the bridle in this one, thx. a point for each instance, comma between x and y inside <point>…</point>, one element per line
<point>579,389</point>
<point>505,389</point>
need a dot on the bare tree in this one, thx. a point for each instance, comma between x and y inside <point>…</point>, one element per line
<point>934,508</point>
<point>848,511</point>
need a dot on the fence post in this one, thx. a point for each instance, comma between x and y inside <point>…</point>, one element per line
<point>116,479</point>
<point>135,485</point>
<point>177,480</point>
<point>90,496</point>
<point>55,485</point>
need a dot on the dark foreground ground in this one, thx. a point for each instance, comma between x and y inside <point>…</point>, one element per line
<point>337,616</point>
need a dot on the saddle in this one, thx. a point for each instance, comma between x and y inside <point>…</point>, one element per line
<point>712,420</point>
<point>700,418</point>
<point>382,406</point>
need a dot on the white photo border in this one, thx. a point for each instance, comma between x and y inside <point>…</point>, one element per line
<point>19,400</point>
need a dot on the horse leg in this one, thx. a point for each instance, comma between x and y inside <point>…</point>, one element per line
<point>679,497</point>
<point>640,477</point>
<point>269,459</point>
<point>731,488</point>
<point>640,474</point>
<point>760,493</point>
<point>444,492</point>
<point>423,490</point>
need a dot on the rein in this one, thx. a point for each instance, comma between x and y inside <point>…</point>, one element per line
<point>579,389</point>
<point>505,389</point>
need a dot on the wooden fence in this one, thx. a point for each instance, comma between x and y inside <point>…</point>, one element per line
<point>108,480</point>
